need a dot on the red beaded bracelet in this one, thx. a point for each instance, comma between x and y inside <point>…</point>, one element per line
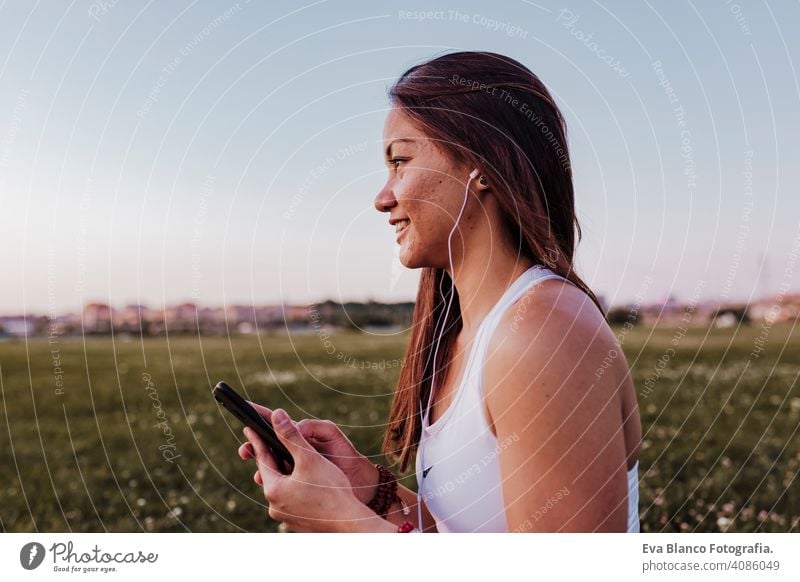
<point>407,527</point>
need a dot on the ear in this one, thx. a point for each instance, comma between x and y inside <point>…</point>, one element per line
<point>479,181</point>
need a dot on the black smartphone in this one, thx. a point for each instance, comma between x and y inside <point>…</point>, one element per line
<point>240,408</point>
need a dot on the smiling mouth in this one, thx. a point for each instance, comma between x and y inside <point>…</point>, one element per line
<point>401,225</point>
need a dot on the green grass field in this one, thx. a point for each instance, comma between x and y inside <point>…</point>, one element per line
<point>112,435</point>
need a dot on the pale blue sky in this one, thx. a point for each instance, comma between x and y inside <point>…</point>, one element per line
<point>177,151</point>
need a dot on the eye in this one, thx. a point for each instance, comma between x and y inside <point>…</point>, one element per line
<point>393,163</point>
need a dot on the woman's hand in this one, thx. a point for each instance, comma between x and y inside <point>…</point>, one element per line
<point>317,496</point>
<point>328,439</point>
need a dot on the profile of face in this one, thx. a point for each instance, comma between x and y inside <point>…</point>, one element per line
<point>423,195</point>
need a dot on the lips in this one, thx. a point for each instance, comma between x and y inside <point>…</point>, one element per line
<point>401,227</point>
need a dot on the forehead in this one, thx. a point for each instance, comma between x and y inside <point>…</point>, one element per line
<point>398,125</point>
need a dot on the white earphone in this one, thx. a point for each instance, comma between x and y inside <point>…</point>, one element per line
<point>474,174</point>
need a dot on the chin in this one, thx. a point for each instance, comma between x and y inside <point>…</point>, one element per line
<point>411,260</point>
<point>407,260</point>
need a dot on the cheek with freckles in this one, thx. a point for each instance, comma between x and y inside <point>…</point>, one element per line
<point>432,200</point>
<point>424,241</point>
<point>427,204</point>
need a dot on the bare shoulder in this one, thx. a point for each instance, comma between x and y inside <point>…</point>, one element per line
<point>555,316</point>
<point>556,339</point>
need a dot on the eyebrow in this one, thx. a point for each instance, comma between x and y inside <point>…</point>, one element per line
<point>389,147</point>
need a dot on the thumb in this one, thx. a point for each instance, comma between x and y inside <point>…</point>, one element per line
<point>320,430</point>
<point>289,435</point>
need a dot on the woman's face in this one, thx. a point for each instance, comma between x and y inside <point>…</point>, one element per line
<point>425,187</point>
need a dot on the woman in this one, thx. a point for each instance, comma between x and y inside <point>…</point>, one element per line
<point>533,423</point>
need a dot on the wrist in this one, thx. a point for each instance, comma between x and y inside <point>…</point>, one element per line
<point>368,482</point>
<point>386,493</point>
<point>367,521</point>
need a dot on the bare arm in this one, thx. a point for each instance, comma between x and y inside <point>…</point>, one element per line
<point>558,422</point>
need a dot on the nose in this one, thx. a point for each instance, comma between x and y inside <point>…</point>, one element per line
<point>385,199</point>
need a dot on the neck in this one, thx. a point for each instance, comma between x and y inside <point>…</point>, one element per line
<point>482,275</point>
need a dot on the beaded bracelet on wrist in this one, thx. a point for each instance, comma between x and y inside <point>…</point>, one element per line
<point>386,493</point>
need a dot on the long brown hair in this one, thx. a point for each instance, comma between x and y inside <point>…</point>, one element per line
<point>491,112</point>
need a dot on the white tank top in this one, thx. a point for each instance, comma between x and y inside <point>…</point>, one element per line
<point>461,484</point>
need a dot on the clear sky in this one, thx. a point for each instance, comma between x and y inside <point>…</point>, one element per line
<point>230,152</point>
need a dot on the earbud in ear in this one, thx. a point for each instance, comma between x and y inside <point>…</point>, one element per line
<point>474,174</point>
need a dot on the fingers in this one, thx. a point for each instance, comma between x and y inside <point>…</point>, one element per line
<point>262,410</point>
<point>267,465</point>
<point>289,434</point>
<point>257,478</point>
<point>246,451</point>
<point>320,430</point>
